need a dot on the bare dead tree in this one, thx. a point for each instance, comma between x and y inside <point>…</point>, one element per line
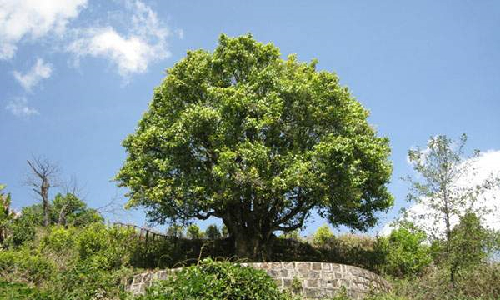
<point>42,176</point>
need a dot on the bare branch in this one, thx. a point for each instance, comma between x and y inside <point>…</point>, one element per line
<point>43,175</point>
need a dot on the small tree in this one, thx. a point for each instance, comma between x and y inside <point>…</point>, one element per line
<point>213,232</point>
<point>322,236</point>
<point>442,166</point>
<point>194,232</point>
<point>469,240</point>
<point>70,210</point>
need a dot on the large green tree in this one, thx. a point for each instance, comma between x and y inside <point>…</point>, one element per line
<point>244,135</point>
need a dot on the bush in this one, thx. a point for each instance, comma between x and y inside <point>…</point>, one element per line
<point>216,280</point>
<point>15,290</point>
<point>111,246</point>
<point>406,255</point>
<point>480,283</point>
<point>74,263</point>
<point>24,228</point>
<point>33,268</point>
<point>322,236</point>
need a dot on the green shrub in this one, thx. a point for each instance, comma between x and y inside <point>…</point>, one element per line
<point>58,240</point>
<point>480,283</point>
<point>216,280</point>
<point>18,291</point>
<point>112,247</point>
<point>73,263</point>
<point>406,253</point>
<point>24,227</point>
<point>25,266</point>
<point>322,236</point>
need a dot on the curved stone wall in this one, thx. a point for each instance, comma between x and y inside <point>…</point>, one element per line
<point>314,280</point>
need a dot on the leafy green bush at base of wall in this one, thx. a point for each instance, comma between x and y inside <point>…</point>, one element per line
<point>216,280</point>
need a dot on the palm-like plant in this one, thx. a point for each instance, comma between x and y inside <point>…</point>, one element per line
<point>6,215</point>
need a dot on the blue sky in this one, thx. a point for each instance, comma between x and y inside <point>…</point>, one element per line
<point>76,78</point>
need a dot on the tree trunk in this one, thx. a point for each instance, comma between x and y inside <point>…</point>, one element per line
<point>252,245</point>
<point>62,217</point>
<point>45,200</point>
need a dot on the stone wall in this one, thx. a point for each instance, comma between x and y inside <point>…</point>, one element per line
<point>313,280</point>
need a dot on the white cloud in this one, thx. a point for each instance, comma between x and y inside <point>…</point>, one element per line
<point>33,19</point>
<point>145,42</point>
<point>39,71</point>
<point>486,166</point>
<point>19,107</point>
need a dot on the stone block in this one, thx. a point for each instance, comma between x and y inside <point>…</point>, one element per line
<point>287,283</point>
<point>326,266</point>
<point>314,274</point>
<point>316,266</point>
<point>312,283</point>
<point>311,293</point>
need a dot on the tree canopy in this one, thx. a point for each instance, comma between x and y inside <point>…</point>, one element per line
<point>244,135</point>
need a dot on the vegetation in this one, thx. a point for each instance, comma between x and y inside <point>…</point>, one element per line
<point>6,215</point>
<point>405,252</point>
<point>211,280</point>
<point>70,263</point>
<point>258,141</point>
<point>442,166</point>
<point>194,232</point>
<point>213,232</point>
<point>243,135</point>
<point>322,236</point>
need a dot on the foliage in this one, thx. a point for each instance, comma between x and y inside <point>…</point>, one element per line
<point>194,232</point>
<point>213,232</point>
<point>68,210</point>
<point>216,280</point>
<point>15,290</point>
<point>468,244</point>
<point>6,215</point>
<point>175,230</point>
<point>72,263</point>
<point>322,236</point>
<point>246,136</point>
<point>480,283</point>
<point>24,227</point>
<point>294,235</point>
<point>406,252</point>
<point>76,214</point>
<point>441,166</point>
<point>33,267</point>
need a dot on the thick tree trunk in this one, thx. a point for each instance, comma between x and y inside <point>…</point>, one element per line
<point>252,245</point>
